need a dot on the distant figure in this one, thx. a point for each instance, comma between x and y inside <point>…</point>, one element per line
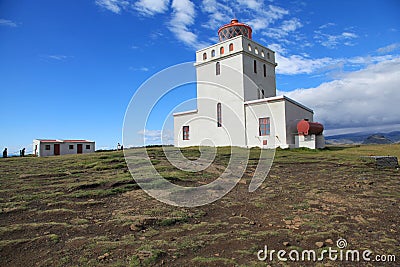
<point>118,146</point>
<point>22,152</point>
<point>122,147</point>
<point>5,153</point>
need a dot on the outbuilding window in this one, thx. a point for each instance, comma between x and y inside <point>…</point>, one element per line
<point>87,146</point>
<point>219,115</point>
<point>218,68</point>
<point>71,146</point>
<point>185,132</point>
<point>264,126</point>
<point>47,147</point>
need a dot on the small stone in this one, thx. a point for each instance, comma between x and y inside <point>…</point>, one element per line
<point>252,222</point>
<point>233,214</point>
<point>216,254</point>
<point>329,241</point>
<point>319,244</point>
<point>134,227</point>
<point>286,244</point>
<point>270,224</point>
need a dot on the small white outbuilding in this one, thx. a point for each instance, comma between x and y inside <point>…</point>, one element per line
<point>54,147</point>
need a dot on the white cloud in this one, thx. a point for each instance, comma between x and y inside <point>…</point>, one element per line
<point>332,41</point>
<point>157,136</point>
<point>329,24</point>
<point>182,18</point>
<point>145,69</point>
<point>297,64</point>
<point>113,5</point>
<point>151,7</point>
<point>56,57</point>
<point>218,13</point>
<point>364,98</point>
<point>286,28</point>
<point>388,48</point>
<point>9,23</point>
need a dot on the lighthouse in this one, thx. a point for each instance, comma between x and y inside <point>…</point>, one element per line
<point>237,103</point>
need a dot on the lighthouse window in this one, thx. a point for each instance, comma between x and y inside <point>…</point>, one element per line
<point>268,55</point>
<point>231,47</point>
<point>262,53</point>
<point>255,66</point>
<point>221,50</point>
<point>218,68</point>
<point>256,50</point>
<point>249,47</point>
<point>185,132</point>
<point>219,115</point>
<point>265,70</point>
<point>204,56</point>
<point>264,126</point>
<point>213,53</point>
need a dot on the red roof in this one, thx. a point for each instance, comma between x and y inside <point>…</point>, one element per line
<point>50,141</point>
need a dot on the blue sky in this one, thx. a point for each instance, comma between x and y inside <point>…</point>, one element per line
<point>68,69</point>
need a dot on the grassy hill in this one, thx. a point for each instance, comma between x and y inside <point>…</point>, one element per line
<point>86,210</point>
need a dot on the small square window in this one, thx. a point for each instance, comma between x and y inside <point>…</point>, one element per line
<point>71,146</point>
<point>47,147</point>
<point>87,146</point>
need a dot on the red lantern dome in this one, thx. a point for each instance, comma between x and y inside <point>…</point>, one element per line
<point>234,29</point>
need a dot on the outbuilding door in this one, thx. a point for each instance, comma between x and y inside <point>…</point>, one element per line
<point>79,148</point>
<point>56,149</point>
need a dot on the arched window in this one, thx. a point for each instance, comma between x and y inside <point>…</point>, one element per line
<point>213,53</point>
<point>265,70</point>
<point>268,55</point>
<point>249,47</point>
<point>255,66</point>
<point>219,115</point>
<point>217,68</point>
<point>230,47</point>
<point>262,93</point>
<point>262,53</point>
<point>256,50</point>
<point>204,56</point>
<point>221,50</point>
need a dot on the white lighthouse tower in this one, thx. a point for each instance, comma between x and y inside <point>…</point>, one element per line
<point>236,97</point>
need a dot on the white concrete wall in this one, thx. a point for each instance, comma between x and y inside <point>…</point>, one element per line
<point>294,114</point>
<point>276,112</point>
<point>64,148</point>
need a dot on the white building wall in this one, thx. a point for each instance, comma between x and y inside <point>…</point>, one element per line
<point>64,148</point>
<point>294,114</point>
<point>276,112</point>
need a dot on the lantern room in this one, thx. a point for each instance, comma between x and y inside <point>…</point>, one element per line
<point>233,29</point>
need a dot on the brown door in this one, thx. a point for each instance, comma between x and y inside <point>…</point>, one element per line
<point>79,148</point>
<point>56,149</point>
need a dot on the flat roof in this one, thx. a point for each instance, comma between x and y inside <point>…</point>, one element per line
<point>64,141</point>
<point>277,98</point>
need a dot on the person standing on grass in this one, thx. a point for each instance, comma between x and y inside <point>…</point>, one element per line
<point>5,153</point>
<point>23,152</point>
